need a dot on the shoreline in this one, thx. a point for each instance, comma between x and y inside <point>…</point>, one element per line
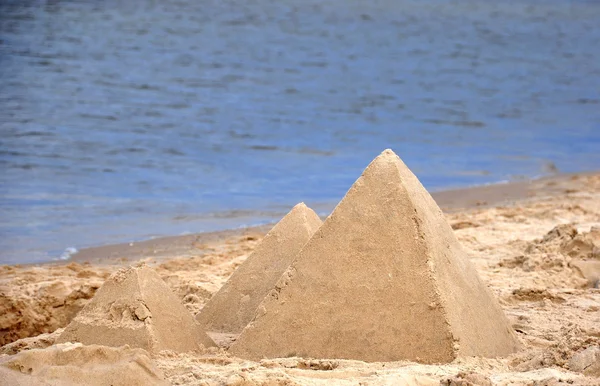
<point>450,201</point>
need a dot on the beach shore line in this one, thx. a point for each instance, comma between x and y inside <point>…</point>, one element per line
<point>450,200</point>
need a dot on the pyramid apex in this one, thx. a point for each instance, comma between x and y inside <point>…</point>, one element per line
<point>305,211</point>
<point>386,157</point>
<point>388,153</point>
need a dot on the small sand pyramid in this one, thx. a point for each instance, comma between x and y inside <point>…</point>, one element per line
<point>234,305</point>
<point>384,279</point>
<point>136,307</point>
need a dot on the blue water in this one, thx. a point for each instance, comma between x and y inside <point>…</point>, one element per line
<point>123,120</point>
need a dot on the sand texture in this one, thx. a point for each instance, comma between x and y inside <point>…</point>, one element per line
<point>384,279</point>
<point>135,307</point>
<point>235,304</point>
<point>41,299</point>
<point>76,364</point>
<point>522,250</point>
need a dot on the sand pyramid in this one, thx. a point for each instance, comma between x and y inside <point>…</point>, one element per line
<point>383,279</point>
<point>234,305</point>
<point>136,307</point>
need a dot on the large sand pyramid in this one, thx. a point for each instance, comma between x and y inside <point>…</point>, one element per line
<point>136,307</point>
<point>383,279</point>
<point>234,305</point>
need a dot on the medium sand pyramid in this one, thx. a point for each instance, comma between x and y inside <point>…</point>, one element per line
<point>234,305</point>
<point>383,279</point>
<point>136,307</point>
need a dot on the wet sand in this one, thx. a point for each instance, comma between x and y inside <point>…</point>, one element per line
<point>449,200</point>
<point>546,280</point>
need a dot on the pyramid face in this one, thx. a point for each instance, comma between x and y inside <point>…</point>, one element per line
<point>383,279</point>
<point>136,307</point>
<point>234,305</point>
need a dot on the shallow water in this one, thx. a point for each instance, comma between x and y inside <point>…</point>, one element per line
<point>126,120</point>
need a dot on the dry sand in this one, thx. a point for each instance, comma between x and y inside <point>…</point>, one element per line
<point>533,268</point>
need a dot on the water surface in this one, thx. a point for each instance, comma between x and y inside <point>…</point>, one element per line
<point>121,121</point>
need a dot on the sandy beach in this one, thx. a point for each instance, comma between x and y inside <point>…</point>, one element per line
<point>536,245</point>
<point>186,196</point>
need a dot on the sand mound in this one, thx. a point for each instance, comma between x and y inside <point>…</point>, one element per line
<point>565,247</point>
<point>40,341</point>
<point>38,300</point>
<point>584,248</point>
<point>75,364</point>
<point>584,245</point>
<point>566,239</point>
<point>234,306</point>
<point>383,279</point>
<point>587,361</point>
<point>135,307</point>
